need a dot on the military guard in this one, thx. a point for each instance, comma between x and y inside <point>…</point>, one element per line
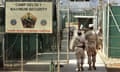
<point>91,49</point>
<point>78,45</point>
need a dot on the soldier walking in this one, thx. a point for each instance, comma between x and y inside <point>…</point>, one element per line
<point>78,45</point>
<point>91,38</point>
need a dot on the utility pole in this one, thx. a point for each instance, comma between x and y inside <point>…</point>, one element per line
<point>108,14</point>
<point>3,49</point>
<point>22,59</point>
<point>58,34</point>
<point>68,41</point>
<point>36,48</point>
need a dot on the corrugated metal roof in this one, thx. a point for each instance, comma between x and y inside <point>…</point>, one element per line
<point>112,1</point>
<point>79,5</point>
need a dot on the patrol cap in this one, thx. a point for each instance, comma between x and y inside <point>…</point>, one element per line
<point>91,25</point>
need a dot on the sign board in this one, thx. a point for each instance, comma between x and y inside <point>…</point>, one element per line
<point>1,1</point>
<point>28,17</point>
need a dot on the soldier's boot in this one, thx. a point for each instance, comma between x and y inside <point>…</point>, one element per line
<point>78,66</point>
<point>82,69</point>
<point>94,60</point>
<point>89,62</point>
<point>90,68</point>
<point>94,67</point>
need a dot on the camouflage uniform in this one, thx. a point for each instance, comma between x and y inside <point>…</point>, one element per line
<point>91,38</point>
<point>77,44</point>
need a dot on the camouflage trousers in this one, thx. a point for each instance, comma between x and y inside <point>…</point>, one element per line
<point>91,52</point>
<point>80,55</point>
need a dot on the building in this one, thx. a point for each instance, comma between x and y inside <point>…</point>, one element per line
<point>111,29</point>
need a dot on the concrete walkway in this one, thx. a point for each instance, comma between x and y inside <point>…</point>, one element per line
<point>71,67</point>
